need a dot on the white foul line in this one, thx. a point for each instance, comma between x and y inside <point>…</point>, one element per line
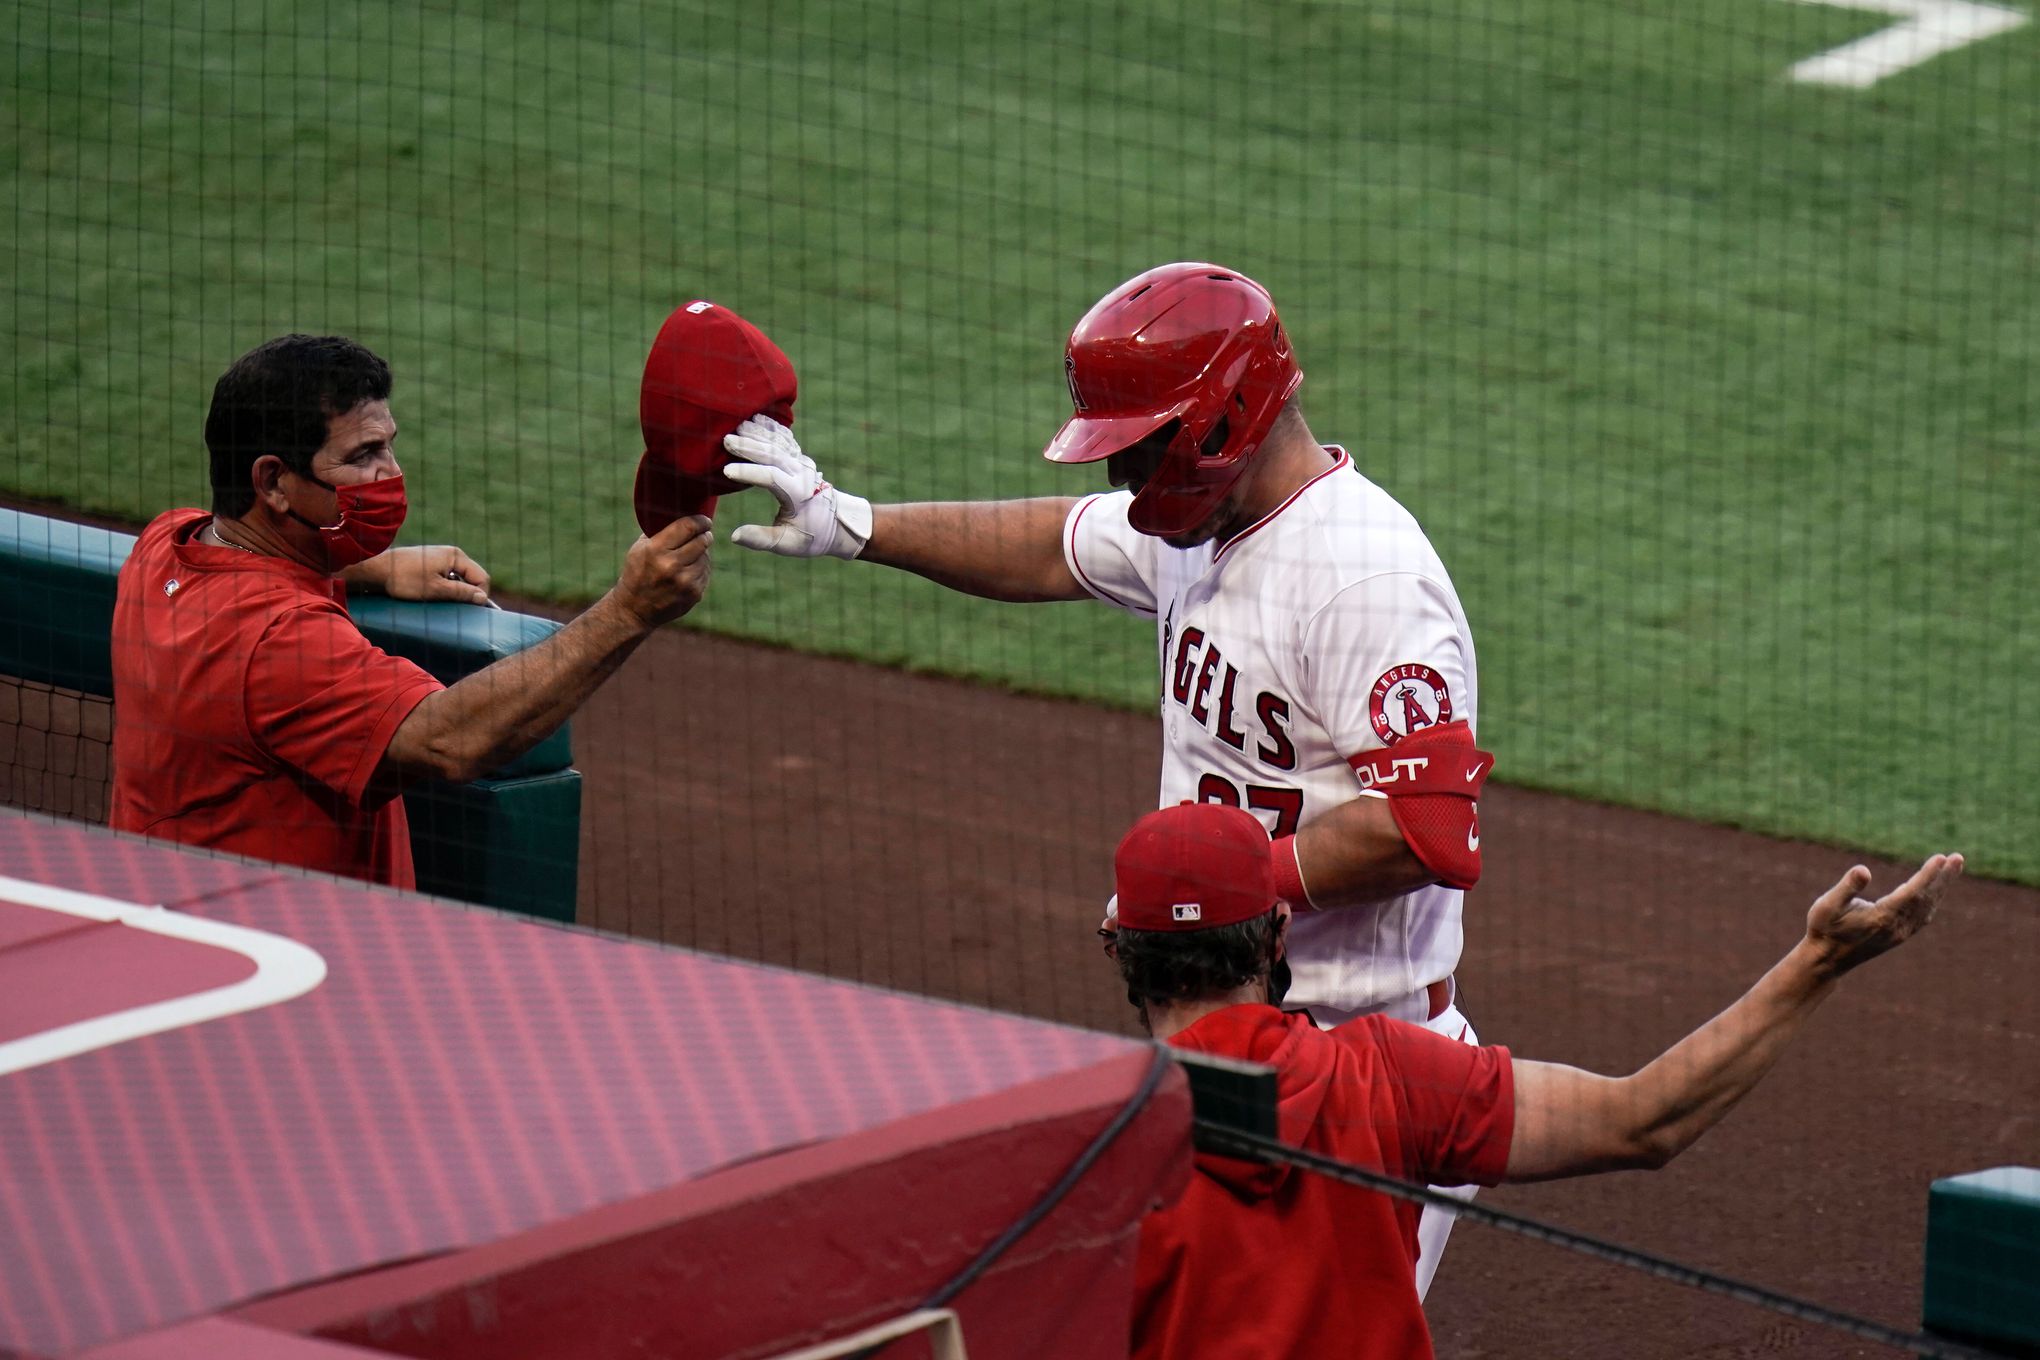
<point>1929,28</point>
<point>283,969</point>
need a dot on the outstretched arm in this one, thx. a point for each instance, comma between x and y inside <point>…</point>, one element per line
<point>1569,1122</point>
<point>500,712</point>
<point>1000,550</point>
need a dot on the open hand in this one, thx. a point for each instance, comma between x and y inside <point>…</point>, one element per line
<point>815,519</point>
<point>1849,930</point>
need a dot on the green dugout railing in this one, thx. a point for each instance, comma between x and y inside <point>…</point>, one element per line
<point>1983,1259</point>
<point>511,840</point>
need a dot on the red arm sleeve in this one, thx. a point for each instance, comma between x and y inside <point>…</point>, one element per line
<point>1458,1102</point>
<point>325,700</point>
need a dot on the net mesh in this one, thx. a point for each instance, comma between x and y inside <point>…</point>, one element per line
<point>55,749</point>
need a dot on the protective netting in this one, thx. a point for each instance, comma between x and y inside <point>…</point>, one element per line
<point>54,749</point>
<point>1699,340</point>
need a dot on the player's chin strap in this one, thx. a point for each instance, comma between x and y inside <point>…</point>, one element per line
<point>1431,779</point>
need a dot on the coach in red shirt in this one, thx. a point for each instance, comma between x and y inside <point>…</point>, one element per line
<point>250,714</point>
<point>1262,1261</point>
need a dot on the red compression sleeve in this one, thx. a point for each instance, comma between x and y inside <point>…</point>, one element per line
<point>1289,874</point>
<point>1432,779</point>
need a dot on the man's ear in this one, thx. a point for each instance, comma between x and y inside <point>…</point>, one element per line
<point>1278,961</point>
<point>266,476</point>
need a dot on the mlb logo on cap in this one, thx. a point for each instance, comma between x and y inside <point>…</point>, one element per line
<point>1195,866</point>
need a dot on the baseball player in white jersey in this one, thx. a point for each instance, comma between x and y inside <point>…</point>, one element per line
<point>1316,666</point>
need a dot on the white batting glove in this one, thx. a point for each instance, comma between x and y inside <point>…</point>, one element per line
<point>815,519</point>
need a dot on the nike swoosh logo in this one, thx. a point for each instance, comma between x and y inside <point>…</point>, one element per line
<point>1474,773</point>
<point>1473,838</point>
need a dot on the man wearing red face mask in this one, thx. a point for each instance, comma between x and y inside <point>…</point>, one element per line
<point>250,714</point>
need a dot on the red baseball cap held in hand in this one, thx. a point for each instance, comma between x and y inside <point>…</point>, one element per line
<point>1192,867</point>
<point>708,371</point>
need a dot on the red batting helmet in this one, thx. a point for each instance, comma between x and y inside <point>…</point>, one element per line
<point>1195,343</point>
<point>708,370</point>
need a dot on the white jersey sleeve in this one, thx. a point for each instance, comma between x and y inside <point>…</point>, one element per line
<point>1108,556</point>
<point>1384,657</point>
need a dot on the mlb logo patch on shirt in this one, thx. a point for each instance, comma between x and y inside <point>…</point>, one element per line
<point>1188,911</point>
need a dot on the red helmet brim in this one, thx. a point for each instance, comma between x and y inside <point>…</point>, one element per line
<point>1089,439</point>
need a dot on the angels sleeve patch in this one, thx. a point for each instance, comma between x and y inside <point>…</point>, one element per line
<point>1406,699</point>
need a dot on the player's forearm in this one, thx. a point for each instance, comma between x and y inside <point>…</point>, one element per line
<point>1573,1123</point>
<point>1570,1122</point>
<point>999,550</point>
<point>1354,854</point>
<point>1688,1088</point>
<point>497,714</point>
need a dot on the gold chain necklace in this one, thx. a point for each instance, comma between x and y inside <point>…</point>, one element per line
<point>212,527</point>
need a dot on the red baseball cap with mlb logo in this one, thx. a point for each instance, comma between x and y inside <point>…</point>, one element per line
<point>708,371</point>
<point>1192,867</point>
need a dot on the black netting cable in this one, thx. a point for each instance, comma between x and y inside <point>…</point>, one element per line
<point>1043,1207</point>
<point>1046,1205</point>
<point>1222,1137</point>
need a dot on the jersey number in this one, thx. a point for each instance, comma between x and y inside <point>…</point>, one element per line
<point>1286,804</point>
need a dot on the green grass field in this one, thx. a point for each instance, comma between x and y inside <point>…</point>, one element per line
<point>1715,391</point>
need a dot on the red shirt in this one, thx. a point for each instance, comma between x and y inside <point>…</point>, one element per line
<point>249,713</point>
<point>1274,1263</point>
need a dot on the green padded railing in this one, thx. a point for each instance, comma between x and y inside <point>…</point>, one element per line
<point>56,620</point>
<point>1983,1258</point>
<point>511,840</point>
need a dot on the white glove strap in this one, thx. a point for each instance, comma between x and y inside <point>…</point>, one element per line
<point>853,526</point>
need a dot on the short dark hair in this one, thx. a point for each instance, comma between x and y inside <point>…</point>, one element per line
<point>278,398</point>
<point>1175,967</point>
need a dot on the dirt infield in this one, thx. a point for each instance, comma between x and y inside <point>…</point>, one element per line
<point>951,840</point>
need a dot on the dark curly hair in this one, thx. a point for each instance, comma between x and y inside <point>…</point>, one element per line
<point>1178,966</point>
<point>277,398</point>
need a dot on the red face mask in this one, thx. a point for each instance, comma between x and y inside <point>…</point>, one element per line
<point>370,515</point>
